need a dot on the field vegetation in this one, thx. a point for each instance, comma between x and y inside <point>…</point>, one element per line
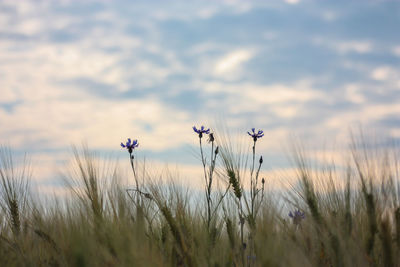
<point>333,215</point>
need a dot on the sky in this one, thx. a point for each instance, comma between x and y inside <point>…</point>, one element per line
<point>99,72</point>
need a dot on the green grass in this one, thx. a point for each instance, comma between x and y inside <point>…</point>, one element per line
<point>352,217</point>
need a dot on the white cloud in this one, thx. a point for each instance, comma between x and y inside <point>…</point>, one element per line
<point>121,54</point>
<point>344,47</point>
<point>65,120</point>
<point>360,47</point>
<point>279,93</point>
<point>203,48</point>
<point>245,97</point>
<point>292,2</point>
<point>353,94</point>
<point>232,61</point>
<point>207,12</point>
<point>285,110</point>
<point>329,15</point>
<point>366,115</point>
<point>396,51</point>
<point>29,27</point>
<point>176,10</point>
<point>388,75</point>
<point>7,94</point>
<point>384,73</point>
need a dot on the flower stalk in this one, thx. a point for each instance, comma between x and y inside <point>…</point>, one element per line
<point>208,177</point>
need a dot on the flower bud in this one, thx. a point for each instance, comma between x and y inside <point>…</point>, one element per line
<point>261,160</point>
<point>211,138</point>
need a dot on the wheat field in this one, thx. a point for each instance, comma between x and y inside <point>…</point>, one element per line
<point>332,216</point>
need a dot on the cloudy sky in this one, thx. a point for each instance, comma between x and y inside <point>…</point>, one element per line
<point>102,71</point>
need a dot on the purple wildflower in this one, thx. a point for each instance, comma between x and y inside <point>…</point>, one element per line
<point>297,216</point>
<point>255,135</point>
<point>201,131</point>
<point>130,145</point>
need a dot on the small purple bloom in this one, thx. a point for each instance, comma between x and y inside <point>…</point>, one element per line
<point>297,216</point>
<point>130,145</point>
<point>255,134</point>
<point>201,131</point>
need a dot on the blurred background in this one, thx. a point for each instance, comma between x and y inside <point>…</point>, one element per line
<point>99,72</point>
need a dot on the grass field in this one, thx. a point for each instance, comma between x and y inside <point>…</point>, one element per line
<point>333,215</point>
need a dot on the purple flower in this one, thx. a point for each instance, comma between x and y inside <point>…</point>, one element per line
<point>255,135</point>
<point>297,216</point>
<point>130,145</point>
<point>201,131</point>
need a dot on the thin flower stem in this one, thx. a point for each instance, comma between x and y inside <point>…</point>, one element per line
<point>220,199</point>
<point>252,184</point>
<point>208,185</point>
<point>134,176</point>
<point>255,192</point>
<point>133,170</point>
<point>254,158</point>
<point>203,160</point>
<point>211,169</point>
